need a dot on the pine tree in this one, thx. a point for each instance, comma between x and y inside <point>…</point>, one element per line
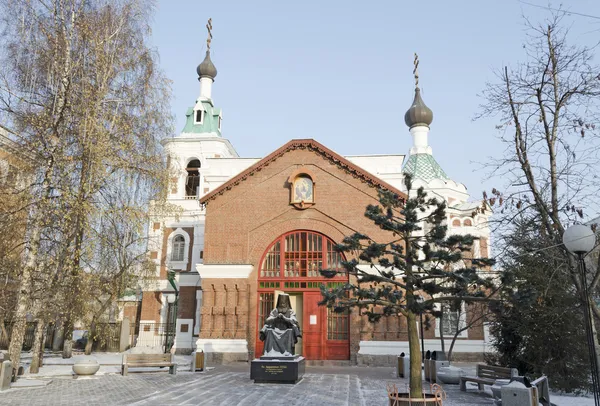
<point>419,266</point>
<point>539,308</point>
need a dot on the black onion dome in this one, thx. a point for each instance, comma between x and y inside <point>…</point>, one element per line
<point>418,113</point>
<point>207,68</point>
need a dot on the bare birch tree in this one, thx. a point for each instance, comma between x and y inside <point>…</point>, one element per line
<point>548,111</point>
<point>82,90</point>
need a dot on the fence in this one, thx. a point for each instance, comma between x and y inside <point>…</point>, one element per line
<point>106,337</point>
<point>152,335</point>
<point>28,339</point>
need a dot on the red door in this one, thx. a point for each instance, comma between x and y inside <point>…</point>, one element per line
<point>313,324</point>
<point>291,264</point>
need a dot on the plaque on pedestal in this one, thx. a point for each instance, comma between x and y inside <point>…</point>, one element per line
<point>277,369</point>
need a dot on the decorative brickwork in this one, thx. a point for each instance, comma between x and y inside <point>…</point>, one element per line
<point>224,308</point>
<point>244,221</point>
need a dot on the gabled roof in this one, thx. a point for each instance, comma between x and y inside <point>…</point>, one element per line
<point>310,144</point>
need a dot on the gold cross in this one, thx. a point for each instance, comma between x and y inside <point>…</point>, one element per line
<point>209,39</point>
<point>415,70</point>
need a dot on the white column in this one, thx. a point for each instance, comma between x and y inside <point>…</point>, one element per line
<point>197,315</point>
<point>420,142</point>
<point>205,87</point>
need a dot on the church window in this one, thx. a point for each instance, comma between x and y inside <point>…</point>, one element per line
<point>198,118</point>
<point>456,223</point>
<point>177,253</point>
<point>192,182</point>
<point>301,254</point>
<point>220,123</point>
<point>468,223</point>
<point>450,321</point>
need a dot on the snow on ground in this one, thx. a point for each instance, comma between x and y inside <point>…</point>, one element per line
<point>566,400</point>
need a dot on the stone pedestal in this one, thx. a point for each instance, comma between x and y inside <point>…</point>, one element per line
<point>5,375</point>
<point>277,369</point>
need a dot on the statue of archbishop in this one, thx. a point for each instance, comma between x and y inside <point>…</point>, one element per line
<point>281,330</point>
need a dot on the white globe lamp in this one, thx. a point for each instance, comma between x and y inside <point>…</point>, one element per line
<point>171,298</point>
<point>579,239</point>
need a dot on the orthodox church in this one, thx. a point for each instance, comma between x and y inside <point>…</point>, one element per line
<point>250,229</point>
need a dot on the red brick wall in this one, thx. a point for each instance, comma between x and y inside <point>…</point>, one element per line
<point>243,221</point>
<point>130,311</point>
<point>151,306</point>
<point>187,302</point>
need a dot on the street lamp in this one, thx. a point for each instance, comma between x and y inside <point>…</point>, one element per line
<point>580,240</point>
<point>170,333</point>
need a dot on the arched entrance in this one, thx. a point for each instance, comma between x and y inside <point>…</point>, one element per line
<point>291,265</point>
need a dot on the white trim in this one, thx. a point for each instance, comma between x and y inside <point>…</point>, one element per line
<point>181,265</point>
<point>224,271</point>
<point>197,315</point>
<point>202,113</point>
<point>187,279</point>
<point>184,340</point>
<point>398,347</point>
<point>222,345</point>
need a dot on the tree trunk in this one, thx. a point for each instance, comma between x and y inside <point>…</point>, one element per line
<point>58,339</point>
<point>452,346</point>
<point>24,299</point>
<point>441,328</point>
<point>67,351</point>
<point>17,336</point>
<point>90,341</point>
<point>416,379</point>
<point>38,347</point>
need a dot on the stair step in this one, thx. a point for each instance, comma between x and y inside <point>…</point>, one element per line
<point>328,363</point>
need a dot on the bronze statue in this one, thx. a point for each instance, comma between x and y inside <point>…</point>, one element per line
<point>281,330</point>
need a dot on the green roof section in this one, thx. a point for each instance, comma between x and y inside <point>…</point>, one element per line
<point>210,121</point>
<point>424,167</point>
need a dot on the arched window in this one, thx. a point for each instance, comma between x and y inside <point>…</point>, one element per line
<point>468,223</point>
<point>301,254</point>
<point>178,250</point>
<point>192,182</point>
<point>456,223</point>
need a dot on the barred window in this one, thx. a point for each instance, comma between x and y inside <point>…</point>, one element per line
<point>450,321</point>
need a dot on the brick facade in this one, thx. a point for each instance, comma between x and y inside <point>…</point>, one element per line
<point>249,215</point>
<point>151,306</point>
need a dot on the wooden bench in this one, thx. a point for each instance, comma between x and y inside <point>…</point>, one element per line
<point>148,360</point>
<point>487,375</point>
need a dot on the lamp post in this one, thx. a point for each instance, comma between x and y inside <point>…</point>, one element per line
<point>172,300</point>
<point>138,314</point>
<point>580,240</point>
<point>170,322</point>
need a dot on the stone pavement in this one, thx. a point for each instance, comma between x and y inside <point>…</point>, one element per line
<point>227,385</point>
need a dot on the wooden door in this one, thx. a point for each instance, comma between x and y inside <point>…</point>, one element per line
<point>314,320</point>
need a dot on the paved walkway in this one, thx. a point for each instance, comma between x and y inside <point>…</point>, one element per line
<point>227,385</point>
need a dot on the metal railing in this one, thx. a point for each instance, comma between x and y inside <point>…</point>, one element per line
<point>152,335</point>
